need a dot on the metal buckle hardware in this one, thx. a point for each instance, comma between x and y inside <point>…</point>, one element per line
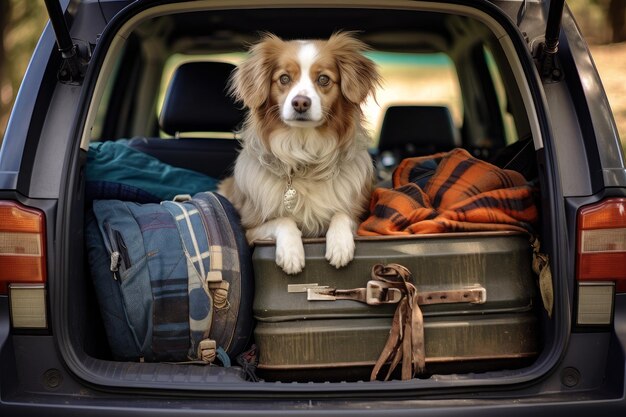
<point>380,292</point>
<point>321,293</point>
<point>376,292</point>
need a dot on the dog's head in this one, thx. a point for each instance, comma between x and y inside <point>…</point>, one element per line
<point>314,84</point>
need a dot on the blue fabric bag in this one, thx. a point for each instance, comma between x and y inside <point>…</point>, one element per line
<point>117,171</point>
<point>173,280</point>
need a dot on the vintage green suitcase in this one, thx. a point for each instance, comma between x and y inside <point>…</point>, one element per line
<point>300,328</point>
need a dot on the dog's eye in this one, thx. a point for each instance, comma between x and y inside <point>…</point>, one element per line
<point>323,80</point>
<point>284,79</point>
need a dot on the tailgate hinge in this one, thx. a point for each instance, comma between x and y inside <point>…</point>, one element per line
<point>546,55</point>
<point>75,53</point>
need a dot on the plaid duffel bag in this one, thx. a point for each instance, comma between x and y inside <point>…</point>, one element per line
<point>173,280</point>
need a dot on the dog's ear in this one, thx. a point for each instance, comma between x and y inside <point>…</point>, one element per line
<point>359,75</point>
<point>250,82</point>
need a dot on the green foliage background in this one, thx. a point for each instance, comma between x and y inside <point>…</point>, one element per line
<point>22,21</point>
<point>21,24</point>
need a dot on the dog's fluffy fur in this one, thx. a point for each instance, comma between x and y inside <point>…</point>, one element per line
<point>304,124</point>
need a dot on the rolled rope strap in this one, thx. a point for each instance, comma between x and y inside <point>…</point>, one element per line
<point>406,336</point>
<point>220,293</point>
<point>207,350</point>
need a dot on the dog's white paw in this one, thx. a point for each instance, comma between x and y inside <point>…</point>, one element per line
<point>290,255</point>
<point>339,247</point>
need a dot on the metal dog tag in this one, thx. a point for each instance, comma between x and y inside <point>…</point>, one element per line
<point>289,198</point>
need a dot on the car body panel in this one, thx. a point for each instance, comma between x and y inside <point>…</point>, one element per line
<point>581,372</point>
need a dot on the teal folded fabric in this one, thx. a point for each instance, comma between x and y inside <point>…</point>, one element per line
<point>116,171</point>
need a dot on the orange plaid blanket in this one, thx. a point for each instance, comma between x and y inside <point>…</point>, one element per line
<point>451,192</point>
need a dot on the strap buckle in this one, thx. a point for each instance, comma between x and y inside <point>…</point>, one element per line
<point>380,292</point>
<point>376,292</point>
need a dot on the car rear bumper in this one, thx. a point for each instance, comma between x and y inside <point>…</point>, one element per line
<point>44,387</point>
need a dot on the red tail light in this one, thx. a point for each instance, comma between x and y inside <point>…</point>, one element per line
<point>601,247</point>
<point>22,245</point>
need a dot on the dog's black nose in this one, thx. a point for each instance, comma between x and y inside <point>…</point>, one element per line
<point>301,103</point>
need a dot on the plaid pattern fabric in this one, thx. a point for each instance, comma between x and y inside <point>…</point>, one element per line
<point>212,256</point>
<point>225,264</point>
<point>168,337</point>
<point>450,192</point>
<point>198,255</point>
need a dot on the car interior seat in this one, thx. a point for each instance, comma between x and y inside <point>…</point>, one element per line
<point>409,131</point>
<point>197,101</point>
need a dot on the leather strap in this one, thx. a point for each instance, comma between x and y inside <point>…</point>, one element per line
<point>541,267</point>
<point>376,292</point>
<point>406,337</point>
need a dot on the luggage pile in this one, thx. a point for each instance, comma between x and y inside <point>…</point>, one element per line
<point>452,290</point>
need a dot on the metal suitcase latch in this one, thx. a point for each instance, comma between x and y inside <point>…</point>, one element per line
<point>380,292</point>
<point>376,292</point>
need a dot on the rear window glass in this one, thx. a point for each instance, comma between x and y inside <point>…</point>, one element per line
<point>414,79</point>
<point>408,79</point>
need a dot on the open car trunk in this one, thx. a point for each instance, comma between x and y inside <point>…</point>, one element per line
<point>506,337</point>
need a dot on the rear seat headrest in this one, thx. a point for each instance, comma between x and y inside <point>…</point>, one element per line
<point>197,100</point>
<point>417,129</point>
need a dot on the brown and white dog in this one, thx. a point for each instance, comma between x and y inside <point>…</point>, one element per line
<point>304,169</point>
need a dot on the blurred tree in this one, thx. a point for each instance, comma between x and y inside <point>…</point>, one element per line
<point>21,24</point>
<point>5,14</point>
<point>617,18</point>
